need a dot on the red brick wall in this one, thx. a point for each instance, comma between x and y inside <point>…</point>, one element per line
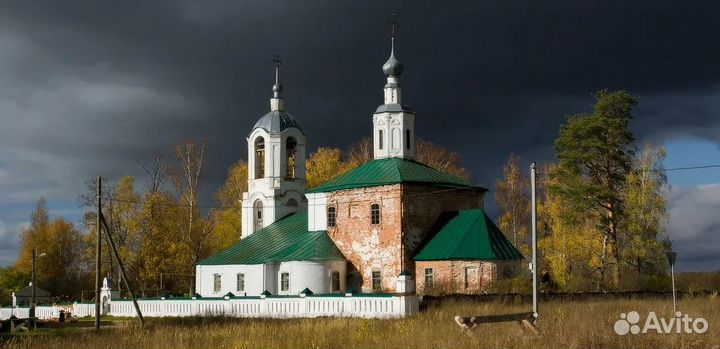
<point>369,247</point>
<point>458,276</point>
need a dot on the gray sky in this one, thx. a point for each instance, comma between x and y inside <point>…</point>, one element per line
<point>90,88</point>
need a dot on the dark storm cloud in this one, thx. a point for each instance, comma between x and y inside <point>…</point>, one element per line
<point>90,88</point>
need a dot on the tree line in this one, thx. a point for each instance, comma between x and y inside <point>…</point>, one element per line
<point>601,209</point>
<point>162,229</point>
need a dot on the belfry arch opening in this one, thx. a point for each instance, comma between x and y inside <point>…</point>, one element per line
<point>290,153</point>
<point>260,157</point>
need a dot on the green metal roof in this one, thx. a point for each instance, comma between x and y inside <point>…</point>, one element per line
<point>392,171</point>
<point>469,235</point>
<point>285,240</point>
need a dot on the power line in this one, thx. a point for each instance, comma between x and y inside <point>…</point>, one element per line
<point>309,205</point>
<point>690,168</point>
<point>686,168</point>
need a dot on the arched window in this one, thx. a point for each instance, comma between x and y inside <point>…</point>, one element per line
<point>291,203</point>
<point>259,157</point>
<point>375,214</point>
<point>290,150</point>
<point>380,139</point>
<point>258,215</point>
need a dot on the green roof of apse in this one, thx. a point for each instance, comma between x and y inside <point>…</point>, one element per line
<point>392,171</point>
<point>285,240</point>
<point>469,235</point>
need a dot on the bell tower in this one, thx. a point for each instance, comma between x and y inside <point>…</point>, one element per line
<point>276,165</point>
<point>393,122</point>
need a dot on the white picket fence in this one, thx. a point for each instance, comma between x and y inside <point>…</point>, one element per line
<point>356,305</point>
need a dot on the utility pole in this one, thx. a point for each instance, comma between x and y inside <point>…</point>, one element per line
<point>32,297</point>
<point>98,254</point>
<point>671,256</point>
<point>122,269</point>
<point>533,224</point>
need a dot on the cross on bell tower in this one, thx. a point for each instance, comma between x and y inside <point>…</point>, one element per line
<point>276,164</point>
<point>393,122</point>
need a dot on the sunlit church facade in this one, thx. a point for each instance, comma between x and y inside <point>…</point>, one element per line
<point>391,225</point>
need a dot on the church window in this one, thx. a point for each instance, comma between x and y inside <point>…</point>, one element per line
<point>335,281</point>
<point>429,277</point>
<point>284,281</point>
<point>376,280</point>
<point>292,203</point>
<point>216,283</point>
<point>259,157</point>
<point>258,215</point>
<point>375,214</point>
<point>240,282</point>
<point>380,139</point>
<point>407,139</point>
<point>331,216</point>
<point>471,276</point>
<point>290,150</point>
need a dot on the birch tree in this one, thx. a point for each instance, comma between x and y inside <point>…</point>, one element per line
<point>511,195</point>
<point>187,175</point>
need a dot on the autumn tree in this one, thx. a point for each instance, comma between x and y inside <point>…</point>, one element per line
<point>227,218</point>
<point>187,175</point>
<point>426,152</point>
<point>60,269</point>
<point>643,238</point>
<point>569,241</point>
<point>511,195</point>
<point>440,159</point>
<point>595,153</point>
<point>11,280</point>
<point>323,165</point>
<point>162,250</point>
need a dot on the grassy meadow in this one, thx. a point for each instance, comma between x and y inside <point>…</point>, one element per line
<point>573,324</point>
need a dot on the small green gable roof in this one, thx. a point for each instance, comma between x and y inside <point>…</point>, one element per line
<point>392,171</point>
<point>469,235</point>
<point>285,240</point>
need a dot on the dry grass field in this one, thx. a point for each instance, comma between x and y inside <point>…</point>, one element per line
<point>576,324</point>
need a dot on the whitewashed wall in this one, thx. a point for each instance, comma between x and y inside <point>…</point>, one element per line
<point>317,211</point>
<point>204,279</point>
<point>363,306</point>
<point>303,274</point>
<point>313,275</point>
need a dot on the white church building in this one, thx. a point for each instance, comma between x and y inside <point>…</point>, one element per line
<point>388,226</point>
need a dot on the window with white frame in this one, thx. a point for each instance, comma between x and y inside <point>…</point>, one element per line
<point>284,281</point>
<point>375,214</point>
<point>216,283</point>
<point>335,281</point>
<point>240,286</point>
<point>429,277</point>
<point>376,280</point>
<point>331,216</point>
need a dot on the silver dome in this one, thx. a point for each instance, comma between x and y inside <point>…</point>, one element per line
<point>277,121</point>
